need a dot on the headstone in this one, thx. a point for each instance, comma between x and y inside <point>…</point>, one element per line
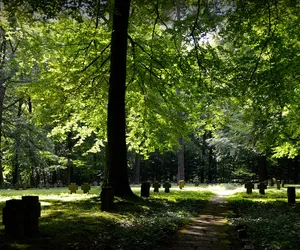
<point>17,186</point>
<point>55,185</point>
<point>60,184</point>
<point>73,188</point>
<point>20,217</point>
<point>145,189</point>
<point>85,188</point>
<point>181,184</point>
<point>249,186</point>
<point>40,185</point>
<point>32,212</point>
<point>282,183</point>
<point>13,218</point>
<point>47,185</point>
<point>24,186</point>
<point>107,199</point>
<point>273,182</point>
<point>156,185</point>
<point>95,183</point>
<point>262,186</point>
<point>270,182</point>
<point>167,186</point>
<point>291,192</point>
<point>197,182</point>
<point>278,184</point>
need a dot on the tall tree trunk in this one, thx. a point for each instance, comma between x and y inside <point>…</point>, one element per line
<point>180,174</point>
<point>203,158</point>
<point>137,168</point>
<point>2,95</point>
<point>70,170</point>
<point>262,168</point>
<point>181,161</point>
<point>211,162</point>
<point>16,172</point>
<point>116,120</point>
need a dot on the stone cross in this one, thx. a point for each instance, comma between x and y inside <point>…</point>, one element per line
<point>249,186</point>
<point>181,184</point>
<point>85,188</point>
<point>167,186</point>
<point>73,187</point>
<point>262,186</point>
<point>156,186</point>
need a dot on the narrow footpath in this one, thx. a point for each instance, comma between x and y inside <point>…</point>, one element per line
<point>209,231</point>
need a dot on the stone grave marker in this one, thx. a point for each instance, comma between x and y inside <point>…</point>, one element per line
<point>55,185</point>
<point>24,186</point>
<point>40,185</point>
<point>262,186</point>
<point>181,184</point>
<point>249,186</point>
<point>167,186</point>
<point>73,188</point>
<point>95,183</point>
<point>17,186</point>
<point>197,182</point>
<point>47,185</point>
<point>20,217</point>
<point>270,182</point>
<point>145,189</point>
<point>291,192</point>
<point>85,188</point>
<point>156,185</point>
<point>282,183</point>
<point>278,184</point>
<point>60,184</point>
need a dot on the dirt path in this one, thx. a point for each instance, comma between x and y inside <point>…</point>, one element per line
<point>210,230</point>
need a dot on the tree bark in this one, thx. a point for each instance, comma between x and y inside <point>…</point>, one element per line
<point>70,170</point>
<point>116,119</point>
<point>2,95</point>
<point>203,158</point>
<point>181,161</point>
<point>262,168</point>
<point>16,172</point>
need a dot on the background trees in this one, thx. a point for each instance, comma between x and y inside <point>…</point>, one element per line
<point>228,69</point>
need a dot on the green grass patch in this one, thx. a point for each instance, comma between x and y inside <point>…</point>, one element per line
<point>270,222</point>
<point>75,221</point>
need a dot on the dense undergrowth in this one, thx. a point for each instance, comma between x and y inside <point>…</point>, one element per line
<point>76,222</point>
<point>268,220</point>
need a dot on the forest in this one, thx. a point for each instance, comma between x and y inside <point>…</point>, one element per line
<point>124,91</point>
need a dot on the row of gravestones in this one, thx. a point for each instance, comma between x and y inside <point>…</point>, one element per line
<point>47,185</point>
<point>145,188</point>
<point>156,186</point>
<point>20,216</point>
<point>262,186</point>
<point>107,194</point>
<point>291,191</point>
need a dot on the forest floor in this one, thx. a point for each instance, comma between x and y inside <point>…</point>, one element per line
<point>210,230</point>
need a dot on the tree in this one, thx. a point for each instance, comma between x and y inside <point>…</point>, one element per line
<point>116,119</point>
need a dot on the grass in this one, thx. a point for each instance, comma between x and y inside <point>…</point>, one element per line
<point>74,221</point>
<point>270,222</point>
